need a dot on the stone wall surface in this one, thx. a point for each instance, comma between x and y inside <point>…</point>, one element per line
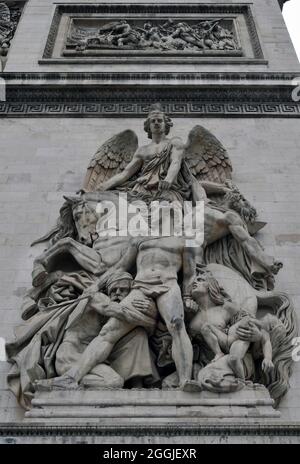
<point>43,159</point>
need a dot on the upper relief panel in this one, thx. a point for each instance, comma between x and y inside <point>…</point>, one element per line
<point>180,33</point>
<point>10,13</point>
<point>153,36</point>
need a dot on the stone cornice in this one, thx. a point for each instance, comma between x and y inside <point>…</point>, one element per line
<point>89,77</point>
<point>131,94</point>
<point>239,429</point>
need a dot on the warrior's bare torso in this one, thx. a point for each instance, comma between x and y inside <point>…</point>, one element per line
<point>159,257</point>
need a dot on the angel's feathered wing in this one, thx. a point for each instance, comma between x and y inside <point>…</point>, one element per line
<point>110,159</point>
<point>206,156</point>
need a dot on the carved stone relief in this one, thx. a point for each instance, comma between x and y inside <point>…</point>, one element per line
<point>152,32</point>
<point>167,36</point>
<point>120,310</point>
<point>9,18</point>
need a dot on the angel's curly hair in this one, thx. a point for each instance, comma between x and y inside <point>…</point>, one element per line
<point>168,121</point>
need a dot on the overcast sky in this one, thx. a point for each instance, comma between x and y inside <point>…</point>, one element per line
<point>291,13</point>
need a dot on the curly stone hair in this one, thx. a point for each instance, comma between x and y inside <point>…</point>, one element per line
<point>168,121</point>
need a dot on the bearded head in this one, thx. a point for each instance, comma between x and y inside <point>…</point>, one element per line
<point>236,201</point>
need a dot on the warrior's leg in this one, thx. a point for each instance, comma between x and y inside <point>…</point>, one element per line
<point>237,353</point>
<point>100,348</point>
<point>67,356</point>
<point>171,309</point>
<point>86,257</point>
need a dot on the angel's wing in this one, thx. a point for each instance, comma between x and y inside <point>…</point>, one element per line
<point>110,159</point>
<point>206,156</point>
<point>4,13</point>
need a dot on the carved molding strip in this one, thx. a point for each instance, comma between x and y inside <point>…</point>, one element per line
<point>132,76</point>
<point>134,110</point>
<point>261,430</point>
<point>65,96</point>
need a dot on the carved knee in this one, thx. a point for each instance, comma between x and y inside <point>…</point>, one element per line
<point>176,324</point>
<point>233,359</point>
<point>206,329</point>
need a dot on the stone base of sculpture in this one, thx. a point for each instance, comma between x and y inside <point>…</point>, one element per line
<point>115,407</point>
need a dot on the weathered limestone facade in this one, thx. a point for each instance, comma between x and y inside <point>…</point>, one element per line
<point>57,113</point>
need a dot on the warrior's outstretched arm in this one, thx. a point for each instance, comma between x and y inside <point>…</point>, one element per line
<point>241,234</point>
<point>213,188</point>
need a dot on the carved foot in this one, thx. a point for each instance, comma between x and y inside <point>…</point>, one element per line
<point>57,383</point>
<point>190,386</point>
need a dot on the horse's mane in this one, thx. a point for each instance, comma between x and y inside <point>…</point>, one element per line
<point>65,226</point>
<point>277,381</point>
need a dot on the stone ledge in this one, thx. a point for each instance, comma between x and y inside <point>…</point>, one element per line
<point>142,407</point>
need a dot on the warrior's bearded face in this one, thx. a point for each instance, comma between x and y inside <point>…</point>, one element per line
<point>119,290</point>
<point>236,201</point>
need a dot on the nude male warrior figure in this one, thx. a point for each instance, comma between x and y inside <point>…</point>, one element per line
<point>158,262</point>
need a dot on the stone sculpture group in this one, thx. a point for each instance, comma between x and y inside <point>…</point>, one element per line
<point>118,310</point>
<point>158,36</point>
<point>9,18</point>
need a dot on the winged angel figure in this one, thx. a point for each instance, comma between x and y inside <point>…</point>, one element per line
<point>166,169</point>
<point>169,170</point>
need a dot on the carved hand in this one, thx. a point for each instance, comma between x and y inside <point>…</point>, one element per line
<point>267,365</point>
<point>164,185</point>
<point>145,305</point>
<point>190,305</point>
<point>249,334</point>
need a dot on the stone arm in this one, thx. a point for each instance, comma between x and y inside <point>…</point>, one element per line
<point>241,234</point>
<point>267,364</point>
<point>176,161</point>
<point>130,170</point>
<point>189,274</point>
<point>213,188</point>
<point>102,305</point>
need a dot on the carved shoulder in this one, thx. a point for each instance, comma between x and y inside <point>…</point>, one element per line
<point>177,142</point>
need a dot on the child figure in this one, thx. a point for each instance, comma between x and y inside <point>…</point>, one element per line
<point>218,321</point>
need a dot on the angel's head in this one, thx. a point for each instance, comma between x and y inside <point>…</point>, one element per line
<point>157,122</point>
